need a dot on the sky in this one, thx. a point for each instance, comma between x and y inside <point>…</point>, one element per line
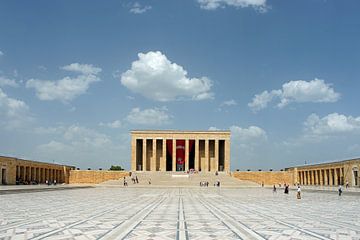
<point>282,76</point>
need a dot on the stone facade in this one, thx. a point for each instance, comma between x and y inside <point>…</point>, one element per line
<point>329,174</point>
<point>14,169</point>
<point>267,177</point>
<point>95,176</point>
<point>157,150</point>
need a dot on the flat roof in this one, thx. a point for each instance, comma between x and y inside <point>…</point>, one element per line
<point>15,158</point>
<point>180,131</point>
<point>324,163</point>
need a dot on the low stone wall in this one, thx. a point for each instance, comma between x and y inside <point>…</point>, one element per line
<point>268,178</point>
<point>95,176</point>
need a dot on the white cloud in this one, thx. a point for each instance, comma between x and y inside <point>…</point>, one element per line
<point>213,129</point>
<point>114,124</point>
<point>85,69</point>
<point>1,53</point>
<point>259,5</point>
<point>8,82</point>
<point>150,116</point>
<point>231,102</point>
<point>316,91</point>
<point>14,113</point>
<point>333,123</point>
<point>248,135</point>
<point>68,88</point>
<point>137,8</point>
<point>155,77</point>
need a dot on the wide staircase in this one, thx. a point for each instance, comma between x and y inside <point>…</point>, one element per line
<point>180,179</point>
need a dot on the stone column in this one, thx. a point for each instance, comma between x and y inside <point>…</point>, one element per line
<point>205,168</point>
<point>133,153</point>
<point>144,155</point>
<point>321,177</point>
<point>341,176</point>
<point>227,156</point>
<point>335,177</point>
<point>331,177</point>
<point>316,177</point>
<point>153,160</point>
<point>312,177</point>
<point>163,159</point>
<point>196,155</point>
<point>187,150</point>
<point>326,182</point>
<point>174,155</point>
<point>216,167</point>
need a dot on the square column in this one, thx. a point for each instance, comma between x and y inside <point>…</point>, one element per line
<point>313,177</point>
<point>321,177</point>
<point>316,177</point>
<point>187,151</point>
<point>144,155</point>
<point>326,182</point>
<point>196,155</point>
<point>216,163</point>
<point>227,156</point>
<point>153,158</point>
<point>163,159</point>
<point>133,154</point>
<point>335,177</point>
<point>331,177</point>
<point>174,155</point>
<point>206,162</point>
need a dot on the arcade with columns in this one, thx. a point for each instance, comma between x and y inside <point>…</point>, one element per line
<point>169,150</point>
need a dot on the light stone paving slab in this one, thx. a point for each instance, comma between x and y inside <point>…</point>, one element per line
<point>178,213</point>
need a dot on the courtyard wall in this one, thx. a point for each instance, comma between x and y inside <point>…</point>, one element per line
<point>266,177</point>
<point>95,176</point>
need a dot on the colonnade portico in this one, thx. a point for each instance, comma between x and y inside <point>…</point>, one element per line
<point>329,174</point>
<point>169,150</point>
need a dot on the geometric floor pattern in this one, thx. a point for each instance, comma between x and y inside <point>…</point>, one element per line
<point>178,213</point>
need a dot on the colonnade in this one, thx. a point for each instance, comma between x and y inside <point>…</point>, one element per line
<point>326,177</point>
<point>201,153</point>
<point>39,174</point>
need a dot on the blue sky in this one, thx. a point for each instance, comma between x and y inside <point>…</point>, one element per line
<point>283,76</point>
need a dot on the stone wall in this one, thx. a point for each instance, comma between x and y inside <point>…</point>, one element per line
<point>268,178</point>
<point>95,176</point>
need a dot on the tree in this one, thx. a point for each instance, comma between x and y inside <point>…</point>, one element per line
<point>116,168</point>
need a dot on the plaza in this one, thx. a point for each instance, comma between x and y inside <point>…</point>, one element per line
<point>114,212</point>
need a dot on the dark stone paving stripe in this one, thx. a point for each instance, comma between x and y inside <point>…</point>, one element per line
<point>32,190</point>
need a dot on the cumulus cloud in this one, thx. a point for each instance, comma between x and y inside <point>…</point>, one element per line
<point>67,88</point>
<point>155,77</point>
<point>316,91</point>
<point>8,82</point>
<point>248,135</point>
<point>14,113</point>
<point>333,123</point>
<point>114,124</point>
<point>1,53</point>
<point>150,116</point>
<point>259,5</point>
<point>213,129</point>
<point>137,8</point>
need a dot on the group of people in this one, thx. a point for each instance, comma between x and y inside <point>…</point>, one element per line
<point>286,190</point>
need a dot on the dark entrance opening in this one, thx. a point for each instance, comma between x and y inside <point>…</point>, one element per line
<point>3,176</point>
<point>168,156</point>
<point>139,154</point>
<point>221,155</point>
<point>192,154</point>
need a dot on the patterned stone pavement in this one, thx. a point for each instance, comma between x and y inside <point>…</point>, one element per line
<point>178,213</point>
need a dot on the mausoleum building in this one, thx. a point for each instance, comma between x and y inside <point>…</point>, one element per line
<point>169,150</point>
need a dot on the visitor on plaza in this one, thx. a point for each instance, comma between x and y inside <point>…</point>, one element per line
<point>137,180</point>
<point>150,181</point>
<point>340,190</point>
<point>274,189</point>
<point>286,191</point>
<point>55,182</point>
<point>125,182</point>
<point>298,192</point>
<point>347,183</point>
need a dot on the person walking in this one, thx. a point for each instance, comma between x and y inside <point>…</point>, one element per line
<point>298,192</point>
<point>340,190</point>
<point>274,189</point>
<point>347,184</point>
<point>137,180</point>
